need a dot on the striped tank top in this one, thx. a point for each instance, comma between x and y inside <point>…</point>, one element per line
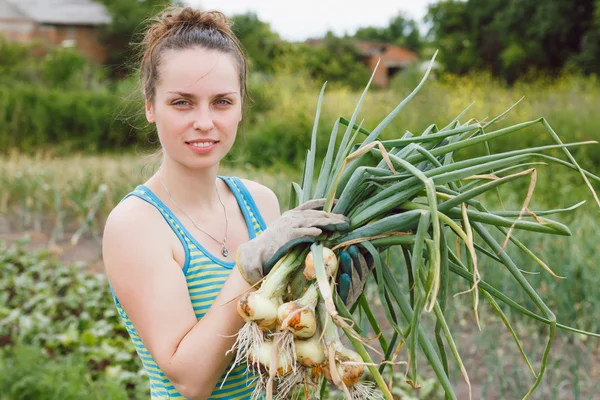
<point>205,276</point>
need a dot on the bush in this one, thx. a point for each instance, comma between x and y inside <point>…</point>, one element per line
<point>62,102</point>
<point>65,312</point>
<point>28,373</point>
<point>33,117</point>
<point>57,67</point>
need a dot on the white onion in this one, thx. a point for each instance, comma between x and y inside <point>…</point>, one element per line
<point>261,355</point>
<point>254,307</point>
<point>301,322</point>
<point>310,353</point>
<point>331,264</point>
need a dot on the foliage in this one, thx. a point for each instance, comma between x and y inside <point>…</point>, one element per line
<point>64,311</point>
<point>401,31</point>
<point>34,182</point>
<point>337,59</point>
<point>277,126</point>
<point>331,58</point>
<point>32,117</point>
<point>27,372</point>
<point>588,58</point>
<point>13,56</point>
<point>46,188</point>
<point>64,68</point>
<point>258,39</point>
<point>511,38</point>
<point>129,18</point>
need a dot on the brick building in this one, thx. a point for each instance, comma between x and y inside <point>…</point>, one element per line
<point>392,59</point>
<point>68,23</point>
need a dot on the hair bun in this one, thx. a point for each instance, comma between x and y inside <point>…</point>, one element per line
<point>178,17</point>
<point>178,28</point>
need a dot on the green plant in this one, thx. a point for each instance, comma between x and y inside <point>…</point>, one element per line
<point>62,310</point>
<point>29,373</point>
<point>407,194</point>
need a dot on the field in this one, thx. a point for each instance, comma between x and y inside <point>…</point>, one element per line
<point>61,202</point>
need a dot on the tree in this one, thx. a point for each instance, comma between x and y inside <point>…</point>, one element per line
<point>337,59</point>
<point>512,37</point>
<point>451,32</point>
<point>258,39</point>
<point>128,21</point>
<point>401,31</point>
<point>589,57</point>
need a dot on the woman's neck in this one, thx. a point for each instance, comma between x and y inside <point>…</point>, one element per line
<point>190,189</point>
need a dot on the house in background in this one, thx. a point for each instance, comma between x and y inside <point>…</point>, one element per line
<point>67,23</point>
<point>392,59</point>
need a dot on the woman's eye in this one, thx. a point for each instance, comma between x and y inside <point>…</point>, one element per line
<point>181,103</point>
<point>223,102</point>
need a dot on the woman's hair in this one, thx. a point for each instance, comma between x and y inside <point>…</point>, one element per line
<point>178,28</point>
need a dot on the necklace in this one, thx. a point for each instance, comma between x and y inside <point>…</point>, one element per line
<point>224,251</point>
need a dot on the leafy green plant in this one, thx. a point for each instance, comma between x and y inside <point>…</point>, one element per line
<point>29,372</point>
<point>64,311</point>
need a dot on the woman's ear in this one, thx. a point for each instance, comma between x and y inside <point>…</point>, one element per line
<point>149,112</point>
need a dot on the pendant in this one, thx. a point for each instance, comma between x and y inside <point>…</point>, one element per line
<point>225,252</point>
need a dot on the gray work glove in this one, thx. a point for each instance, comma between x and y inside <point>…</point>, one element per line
<point>355,269</point>
<point>292,227</point>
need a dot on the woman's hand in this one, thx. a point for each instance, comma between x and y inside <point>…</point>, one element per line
<point>355,269</point>
<point>304,221</point>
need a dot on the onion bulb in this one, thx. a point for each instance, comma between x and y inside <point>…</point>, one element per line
<point>311,352</point>
<point>254,307</point>
<point>261,355</point>
<point>298,316</point>
<point>299,320</point>
<point>349,373</point>
<point>331,264</point>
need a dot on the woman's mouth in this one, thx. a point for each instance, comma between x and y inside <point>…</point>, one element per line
<point>203,146</point>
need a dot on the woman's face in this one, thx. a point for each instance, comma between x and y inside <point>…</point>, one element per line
<point>197,106</point>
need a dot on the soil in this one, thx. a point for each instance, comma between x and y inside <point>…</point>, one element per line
<point>87,250</point>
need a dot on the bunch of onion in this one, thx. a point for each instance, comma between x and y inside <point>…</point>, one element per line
<point>407,197</point>
<point>272,325</point>
<point>318,354</point>
<point>259,309</point>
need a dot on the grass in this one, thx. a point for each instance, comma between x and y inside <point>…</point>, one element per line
<point>72,196</point>
<point>75,194</point>
<point>567,102</point>
<point>52,194</point>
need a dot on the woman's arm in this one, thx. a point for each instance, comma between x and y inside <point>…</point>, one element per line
<point>153,291</point>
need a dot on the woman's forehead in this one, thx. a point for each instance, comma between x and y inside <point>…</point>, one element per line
<point>198,70</point>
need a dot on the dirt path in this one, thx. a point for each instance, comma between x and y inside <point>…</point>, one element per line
<point>87,250</point>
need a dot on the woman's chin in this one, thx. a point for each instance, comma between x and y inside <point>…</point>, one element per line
<point>206,162</point>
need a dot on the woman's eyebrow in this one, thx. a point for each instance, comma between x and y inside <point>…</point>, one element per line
<point>183,94</point>
<point>225,94</point>
<point>191,95</point>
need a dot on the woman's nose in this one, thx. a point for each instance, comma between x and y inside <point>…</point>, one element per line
<point>203,120</point>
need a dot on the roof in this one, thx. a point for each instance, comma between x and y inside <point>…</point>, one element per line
<point>64,12</point>
<point>369,49</point>
<point>377,48</point>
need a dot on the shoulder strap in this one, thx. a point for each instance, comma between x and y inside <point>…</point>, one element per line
<point>251,212</point>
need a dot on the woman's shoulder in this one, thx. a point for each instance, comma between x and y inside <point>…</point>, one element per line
<point>131,212</point>
<point>266,200</point>
<point>133,221</point>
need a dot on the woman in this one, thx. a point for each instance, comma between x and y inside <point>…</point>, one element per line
<point>170,246</point>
